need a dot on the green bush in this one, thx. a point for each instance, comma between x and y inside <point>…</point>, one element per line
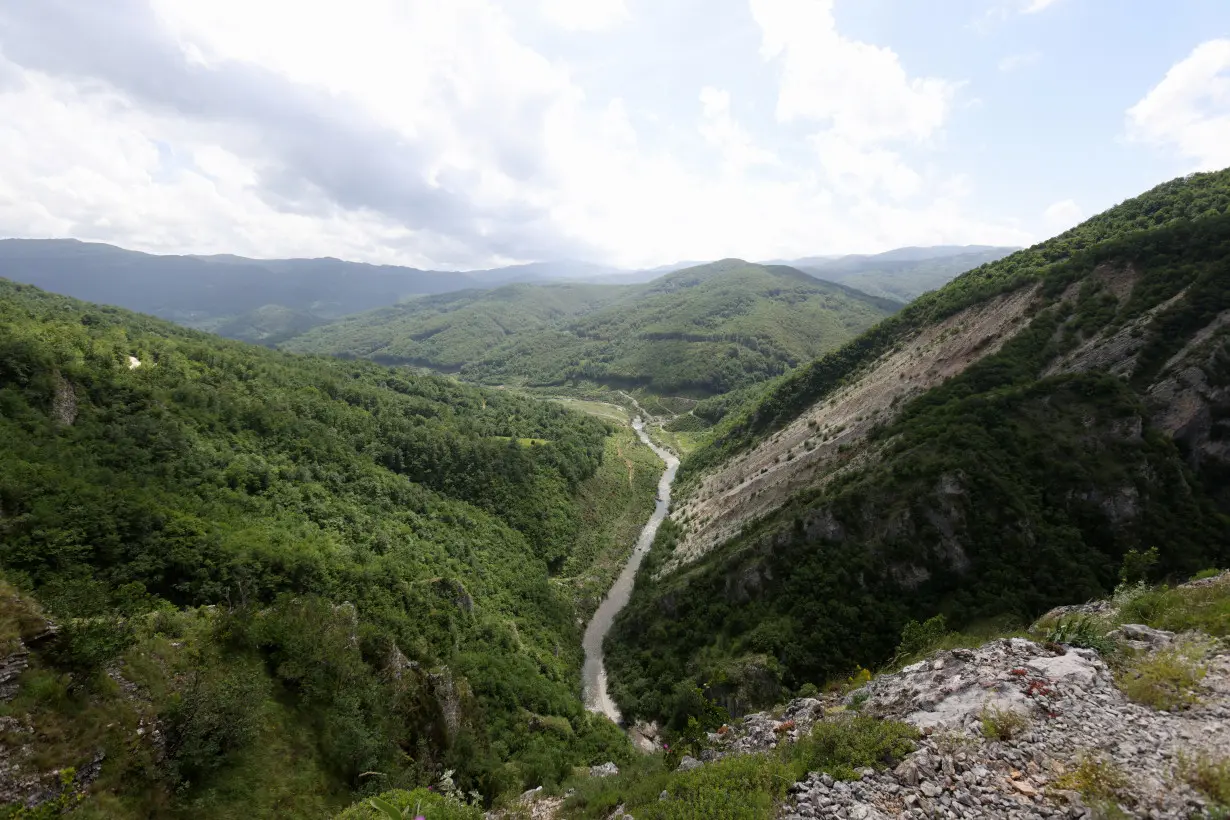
<point>430,805</point>
<point>918,639</point>
<point>1002,724</point>
<point>1084,632</point>
<point>215,713</point>
<point>842,746</point>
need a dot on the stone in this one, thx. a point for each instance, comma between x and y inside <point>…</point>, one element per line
<point>688,763</point>
<point>604,770</point>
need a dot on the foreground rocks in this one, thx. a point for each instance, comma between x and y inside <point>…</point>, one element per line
<point>1071,714</point>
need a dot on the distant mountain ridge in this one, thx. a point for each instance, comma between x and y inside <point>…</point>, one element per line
<point>702,330</point>
<point>902,274</point>
<point>272,300</point>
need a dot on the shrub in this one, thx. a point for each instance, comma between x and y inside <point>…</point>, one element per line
<point>743,787</point>
<point>1166,680</point>
<point>842,746</point>
<point>917,639</point>
<point>1099,782</point>
<point>1082,631</point>
<point>430,805</point>
<point>1002,724</point>
<point>1137,566</point>
<point>1209,776</point>
<point>216,713</point>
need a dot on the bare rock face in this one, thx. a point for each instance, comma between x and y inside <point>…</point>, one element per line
<point>64,403</point>
<point>1069,712</point>
<point>605,770</point>
<point>645,737</point>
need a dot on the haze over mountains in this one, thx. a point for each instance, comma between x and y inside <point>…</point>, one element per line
<point>271,300</point>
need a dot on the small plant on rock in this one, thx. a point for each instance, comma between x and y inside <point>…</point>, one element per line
<point>1002,724</point>
<point>1083,632</point>
<point>1210,776</point>
<point>1099,782</point>
<point>1168,680</point>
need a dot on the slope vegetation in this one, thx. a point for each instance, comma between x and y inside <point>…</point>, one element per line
<point>272,576</point>
<point>699,331</point>
<point>993,449</point>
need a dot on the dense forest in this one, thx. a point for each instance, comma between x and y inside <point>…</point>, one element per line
<point>700,331</point>
<point>316,578</point>
<point>1003,491</point>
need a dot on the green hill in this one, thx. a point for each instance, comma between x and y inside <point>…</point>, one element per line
<point>996,448</point>
<point>287,572</point>
<point>700,331</point>
<point>448,331</point>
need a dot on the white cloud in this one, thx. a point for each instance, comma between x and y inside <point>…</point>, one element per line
<point>720,130</point>
<point>1016,61</point>
<point>1189,110</point>
<point>860,170</point>
<point>414,99</point>
<point>585,15</point>
<point>1063,215</point>
<point>1035,6</point>
<point>859,90</point>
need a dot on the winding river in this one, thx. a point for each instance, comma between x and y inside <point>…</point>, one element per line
<point>597,699</point>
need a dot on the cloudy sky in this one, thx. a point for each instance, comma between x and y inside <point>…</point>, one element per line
<point>473,133</point>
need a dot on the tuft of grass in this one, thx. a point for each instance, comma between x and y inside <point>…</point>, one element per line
<point>1208,775</point>
<point>410,804</point>
<point>1082,631</point>
<point>842,745</point>
<point>1167,680</point>
<point>1100,783</point>
<point>1202,609</point>
<point>1002,724</point>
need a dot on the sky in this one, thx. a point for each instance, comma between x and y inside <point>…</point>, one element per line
<point>476,133</point>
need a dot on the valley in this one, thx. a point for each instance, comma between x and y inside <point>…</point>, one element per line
<point>485,539</point>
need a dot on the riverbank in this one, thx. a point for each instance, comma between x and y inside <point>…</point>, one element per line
<point>597,698</point>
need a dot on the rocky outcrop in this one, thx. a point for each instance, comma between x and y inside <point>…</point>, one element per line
<point>1071,718</point>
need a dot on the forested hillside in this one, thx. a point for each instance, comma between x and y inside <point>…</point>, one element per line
<point>281,581</point>
<point>700,331</point>
<point>994,449</point>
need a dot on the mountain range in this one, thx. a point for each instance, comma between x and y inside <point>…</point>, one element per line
<point>271,300</point>
<point>699,331</point>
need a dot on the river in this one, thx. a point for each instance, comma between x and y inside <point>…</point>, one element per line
<point>597,699</point>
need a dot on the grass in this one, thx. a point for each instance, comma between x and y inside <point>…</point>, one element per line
<point>1101,784</point>
<point>742,787</point>
<point>615,502</point>
<point>1203,609</point>
<point>1002,724</point>
<point>1208,775</point>
<point>411,804</point>
<point>603,410</point>
<point>1168,680</point>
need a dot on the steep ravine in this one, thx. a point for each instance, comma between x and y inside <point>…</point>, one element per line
<point>594,673</point>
